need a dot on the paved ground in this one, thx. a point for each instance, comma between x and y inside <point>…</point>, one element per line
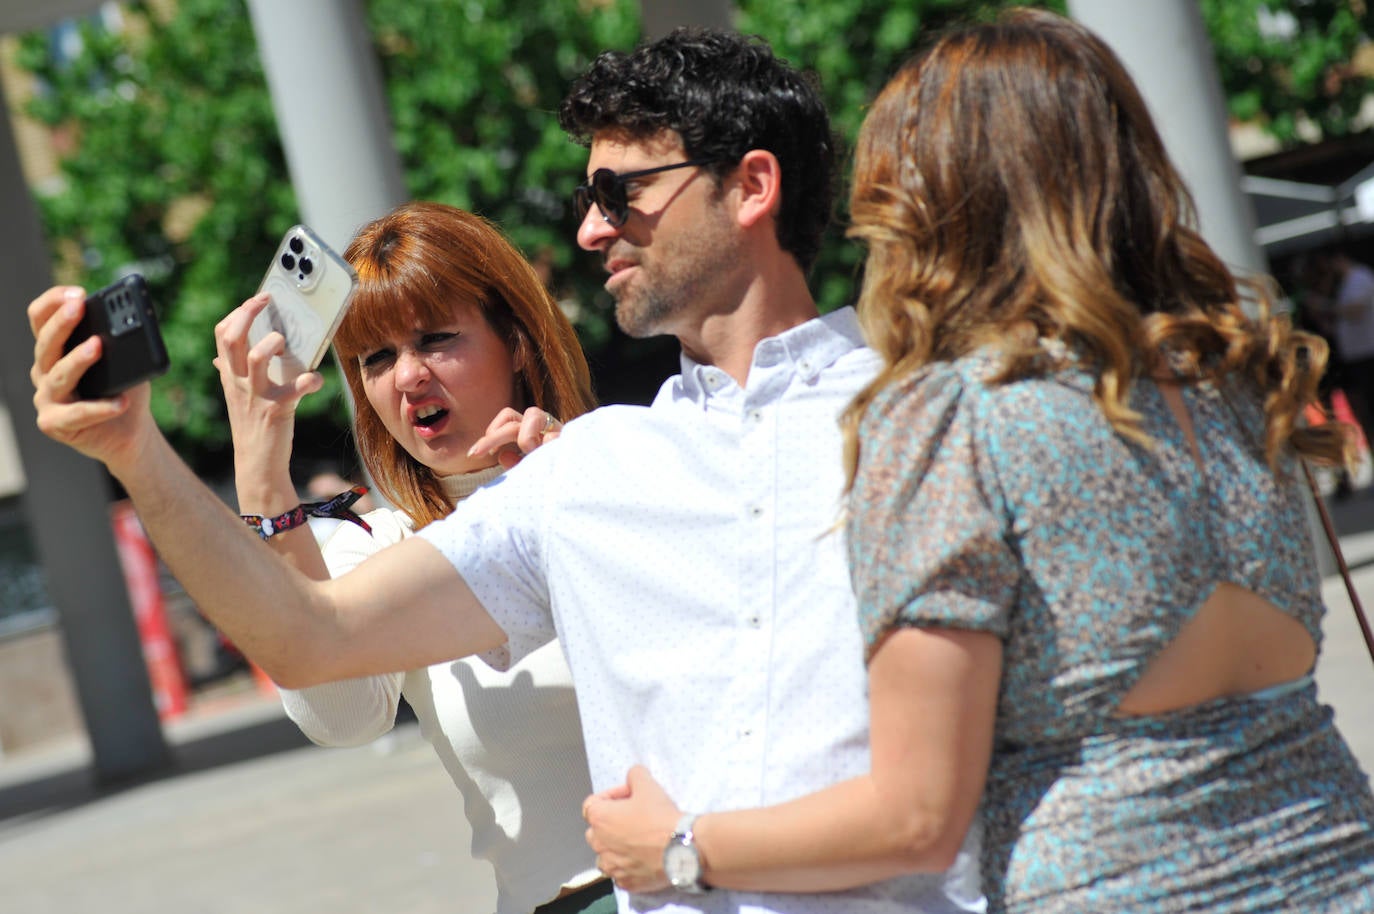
<point>256,821</point>
<point>1345,673</point>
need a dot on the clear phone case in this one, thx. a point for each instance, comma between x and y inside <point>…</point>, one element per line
<point>311,288</point>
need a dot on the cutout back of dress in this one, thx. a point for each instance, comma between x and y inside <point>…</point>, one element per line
<point>1236,643</point>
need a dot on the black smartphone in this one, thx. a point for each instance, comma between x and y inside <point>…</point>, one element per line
<point>131,350</point>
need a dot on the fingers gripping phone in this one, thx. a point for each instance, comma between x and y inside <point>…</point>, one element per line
<point>311,288</point>
<point>131,347</point>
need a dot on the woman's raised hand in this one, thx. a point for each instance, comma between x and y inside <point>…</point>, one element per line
<point>513,434</point>
<point>261,413</point>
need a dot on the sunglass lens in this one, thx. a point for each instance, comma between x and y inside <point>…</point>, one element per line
<point>582,201</point>
<point>609,191</point>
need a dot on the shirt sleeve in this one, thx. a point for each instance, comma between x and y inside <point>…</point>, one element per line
<point>495,541</point>
<point>928,530</point>
<point>351,712</point>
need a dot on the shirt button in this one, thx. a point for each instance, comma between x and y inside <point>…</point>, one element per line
<point>756,415</point>
<point>755,621</point>
<point>755,511</point>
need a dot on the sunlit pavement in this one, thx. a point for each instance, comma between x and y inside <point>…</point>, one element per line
<point>255,821</point>
<point>1345,672</point>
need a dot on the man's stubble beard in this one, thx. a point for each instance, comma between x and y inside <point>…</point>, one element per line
<point>660,294</point>
<point>643,314</point>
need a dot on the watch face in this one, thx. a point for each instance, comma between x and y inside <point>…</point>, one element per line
<point>680,865</point>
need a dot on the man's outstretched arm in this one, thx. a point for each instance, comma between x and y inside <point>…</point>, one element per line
<point>407,607</point>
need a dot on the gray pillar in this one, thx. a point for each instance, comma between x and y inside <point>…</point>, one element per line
<point>1165,46</point>
<point>66,503</point>
<point>332,117</point>
<point>331,112</point>
<point>662,16</point>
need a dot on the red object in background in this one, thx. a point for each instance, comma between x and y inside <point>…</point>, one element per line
<point>139,562</point>
<point>1340,411</point>
<point>260,679</point>
<point>1340,408</point>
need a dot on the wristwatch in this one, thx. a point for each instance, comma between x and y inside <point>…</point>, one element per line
<point>682,860</point>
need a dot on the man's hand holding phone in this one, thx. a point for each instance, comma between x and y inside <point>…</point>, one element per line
<point>114,430</point>
<point>131,347</point>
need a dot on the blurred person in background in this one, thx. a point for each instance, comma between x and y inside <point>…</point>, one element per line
<point>1339,302</point>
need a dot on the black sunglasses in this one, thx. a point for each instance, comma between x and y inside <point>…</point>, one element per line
<point>606,189</point>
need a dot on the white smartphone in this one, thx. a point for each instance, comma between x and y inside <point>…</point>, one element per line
<point>311,288</point>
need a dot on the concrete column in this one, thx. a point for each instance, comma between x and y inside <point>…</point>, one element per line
<point>332,116</point>
<point>331,112</point>
<point>1164,45</point>
<point>66,502</point>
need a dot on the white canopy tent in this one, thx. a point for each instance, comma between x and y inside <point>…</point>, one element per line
<point>1294,216</point>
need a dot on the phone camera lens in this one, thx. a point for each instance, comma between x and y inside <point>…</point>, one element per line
<point>288,261</point>
<point>296,244</point>
<point>307,267</point>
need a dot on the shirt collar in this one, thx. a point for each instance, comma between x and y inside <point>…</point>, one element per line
<point>803,352</point>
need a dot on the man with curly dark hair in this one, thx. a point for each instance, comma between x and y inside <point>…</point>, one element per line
<point>711,178</point>
<point>723,94</point>
<point>687,553</point>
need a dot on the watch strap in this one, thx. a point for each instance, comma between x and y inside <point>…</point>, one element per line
<point>683,829</point>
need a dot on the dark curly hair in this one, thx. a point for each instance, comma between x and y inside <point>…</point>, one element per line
<point>724,94</point>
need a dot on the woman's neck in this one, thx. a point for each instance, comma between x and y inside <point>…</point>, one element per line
<point>460,485</point>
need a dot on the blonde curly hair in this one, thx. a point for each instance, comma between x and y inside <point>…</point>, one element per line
<point>1011,189</point>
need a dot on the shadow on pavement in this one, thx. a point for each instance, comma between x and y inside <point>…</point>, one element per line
<point>64,787</point>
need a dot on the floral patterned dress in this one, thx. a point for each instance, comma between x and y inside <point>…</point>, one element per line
<point>1017,510</point>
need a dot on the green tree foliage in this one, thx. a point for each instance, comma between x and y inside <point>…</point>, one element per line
<point>878,36</point>
<point>1286,63</point>
<point>174,170</point>
<point>175,167</point>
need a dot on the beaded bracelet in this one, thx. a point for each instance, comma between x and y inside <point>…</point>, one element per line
<point>339,507</point>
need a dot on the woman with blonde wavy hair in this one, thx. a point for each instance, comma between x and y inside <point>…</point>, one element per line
<point>458,360</point>
<point>1076,528</point>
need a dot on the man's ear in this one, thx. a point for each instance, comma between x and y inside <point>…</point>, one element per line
<point>760,184</point>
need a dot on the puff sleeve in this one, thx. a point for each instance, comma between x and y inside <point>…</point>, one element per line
<point>928,529</point>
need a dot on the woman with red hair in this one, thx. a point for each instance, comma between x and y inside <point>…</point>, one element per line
<point>451,341</point>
